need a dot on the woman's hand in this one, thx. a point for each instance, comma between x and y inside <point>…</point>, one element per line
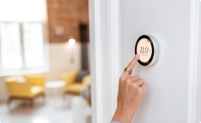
<point>130,93</point>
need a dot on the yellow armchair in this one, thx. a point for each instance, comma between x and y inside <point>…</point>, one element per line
<point>25,87</point>
<point>35,80</point>
<point>72,86</point>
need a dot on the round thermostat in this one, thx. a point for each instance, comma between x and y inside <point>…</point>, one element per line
<point>148,48</point>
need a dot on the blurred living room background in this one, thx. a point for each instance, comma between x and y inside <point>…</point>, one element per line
<point>44,61</point>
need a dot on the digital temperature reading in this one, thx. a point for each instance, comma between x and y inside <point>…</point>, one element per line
<point>144,49</point>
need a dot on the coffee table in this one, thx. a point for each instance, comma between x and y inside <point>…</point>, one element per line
<point>55,88</point>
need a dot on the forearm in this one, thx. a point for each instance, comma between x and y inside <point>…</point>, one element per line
<point>123,116</point>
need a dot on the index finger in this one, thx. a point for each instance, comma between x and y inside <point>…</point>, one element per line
<point>134,61</point>
<point>132,64</point>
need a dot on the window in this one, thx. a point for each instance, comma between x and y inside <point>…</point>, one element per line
<point>22,44</point>
<point>22,47</point>
<point>33,45</point>
<point>10,46</point>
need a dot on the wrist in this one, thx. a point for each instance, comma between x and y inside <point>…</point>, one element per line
<point>123,115</point>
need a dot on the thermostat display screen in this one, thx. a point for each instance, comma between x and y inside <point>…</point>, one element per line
<point>144,49</point>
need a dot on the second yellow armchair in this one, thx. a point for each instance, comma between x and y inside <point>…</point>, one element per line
<point>72,86</point>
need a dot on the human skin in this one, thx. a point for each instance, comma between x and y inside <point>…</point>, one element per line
<point>130,93</point>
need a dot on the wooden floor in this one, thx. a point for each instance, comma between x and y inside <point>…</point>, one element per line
<point>53,110</point>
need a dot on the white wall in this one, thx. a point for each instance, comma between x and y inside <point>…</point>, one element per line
<point>167,98</point>
<point>198,99</point>
<point>59,56</point>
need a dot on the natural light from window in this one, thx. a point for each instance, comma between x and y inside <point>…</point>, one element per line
<point>33,45</point>
<point>22,42</point>
<point>10,46</point>
<point>22,10</point>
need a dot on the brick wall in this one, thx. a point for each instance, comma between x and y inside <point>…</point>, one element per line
<point>64,18</point>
